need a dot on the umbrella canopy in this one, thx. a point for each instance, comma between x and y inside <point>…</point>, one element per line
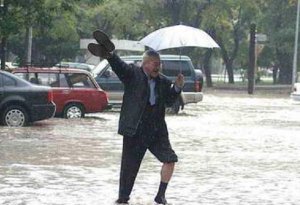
<point>178,36</point>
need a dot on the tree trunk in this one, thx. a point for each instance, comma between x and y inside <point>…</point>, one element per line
<point>227,60</point>
<point>285,76</point>
<point>3,52</point>
<point>229,69</point>
<point>252,60</point>
<point>206,66</point>
<point>285,68</point>
<point>274,73</point>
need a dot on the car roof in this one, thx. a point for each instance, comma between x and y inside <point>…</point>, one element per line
<point>74,64</point>
<point>131,58</point>
<point>47,70</point>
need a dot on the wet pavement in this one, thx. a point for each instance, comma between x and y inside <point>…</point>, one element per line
<point>232,148</point>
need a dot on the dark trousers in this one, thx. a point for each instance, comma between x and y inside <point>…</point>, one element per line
<point>149,136</point>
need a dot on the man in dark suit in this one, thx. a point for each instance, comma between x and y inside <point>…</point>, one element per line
<point>142,117</point>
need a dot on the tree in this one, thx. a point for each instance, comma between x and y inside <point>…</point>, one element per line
<point>9,22</point>
<point>279,24</point>
<point>42,15</point>
<point>230,20</point>
<point>123,19</point>
<point>191,13</point>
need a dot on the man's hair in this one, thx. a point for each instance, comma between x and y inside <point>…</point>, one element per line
<point>150,54</point>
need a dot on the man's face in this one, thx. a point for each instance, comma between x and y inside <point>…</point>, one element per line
<point>152,66</point>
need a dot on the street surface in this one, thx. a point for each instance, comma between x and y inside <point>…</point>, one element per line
<point>233,149</point>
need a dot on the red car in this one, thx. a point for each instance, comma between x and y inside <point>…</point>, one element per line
<point>75,92</point>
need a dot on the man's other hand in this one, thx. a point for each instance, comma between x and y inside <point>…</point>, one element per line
<point>179,82</point>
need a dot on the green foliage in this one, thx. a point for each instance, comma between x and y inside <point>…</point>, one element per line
<point>230,20</point>
<point>278,22</point>
<point>58,25</point>
<point>53,22</point>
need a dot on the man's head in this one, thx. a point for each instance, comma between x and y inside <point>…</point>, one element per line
<point>151,63</point>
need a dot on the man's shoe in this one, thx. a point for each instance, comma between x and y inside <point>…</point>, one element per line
<point>122,201</point>
<point>104,40</point>
<point>99,50</point>
<point>160,200</point>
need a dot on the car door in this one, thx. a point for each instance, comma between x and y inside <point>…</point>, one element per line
<point>109,81</point>
<point>83,90</point>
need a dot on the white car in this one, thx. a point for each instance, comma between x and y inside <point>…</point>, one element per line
<point>10,65</point>
<point>295,95</point>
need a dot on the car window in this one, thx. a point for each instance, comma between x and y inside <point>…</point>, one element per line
<point>80,80</point>
<point>63,80</point>
<point>173,68</point>
<point>9,82</point>
<point>49,79</point>
<point>22,75</point>
<point>1,76</point>
<point>33,78</point>
<point>81,66</point>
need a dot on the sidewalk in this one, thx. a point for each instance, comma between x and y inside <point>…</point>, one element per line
<point>258,89</point>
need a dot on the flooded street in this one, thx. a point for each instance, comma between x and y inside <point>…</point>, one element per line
<point>233,149</point>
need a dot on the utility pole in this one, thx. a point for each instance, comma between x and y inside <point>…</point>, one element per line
<point>28,45</point>
<point>28,36</point>
<point>252,60</point>
<point>294,76</point>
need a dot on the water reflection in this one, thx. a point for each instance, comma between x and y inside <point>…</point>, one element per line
<point>233,149</point>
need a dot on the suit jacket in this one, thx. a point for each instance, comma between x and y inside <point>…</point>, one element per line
<point>136,96</point>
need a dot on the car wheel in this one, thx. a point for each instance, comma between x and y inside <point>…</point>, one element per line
<point>15,116</point>
<point>176,107</point>
<point>73,111</point>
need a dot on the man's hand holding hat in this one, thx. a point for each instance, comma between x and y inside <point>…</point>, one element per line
<point>105,46</point>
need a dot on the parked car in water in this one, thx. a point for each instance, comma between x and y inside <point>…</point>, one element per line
<point>83,66</point>
<point>295,95</point>
<point>22,102</point>
<point>75,91</point>
<point>172,65</point>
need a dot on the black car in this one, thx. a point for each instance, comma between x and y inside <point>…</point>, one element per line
<point>22,102</point>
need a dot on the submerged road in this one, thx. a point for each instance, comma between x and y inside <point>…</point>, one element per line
<point>233,149</point>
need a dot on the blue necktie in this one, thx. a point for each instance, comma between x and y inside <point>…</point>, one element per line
<point>152,97</point>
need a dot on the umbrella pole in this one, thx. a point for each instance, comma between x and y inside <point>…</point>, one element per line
<point>180,69</point>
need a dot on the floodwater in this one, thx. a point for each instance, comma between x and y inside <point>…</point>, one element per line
<point>233,149</point>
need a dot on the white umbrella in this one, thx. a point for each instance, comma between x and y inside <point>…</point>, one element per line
<point>178,36</point>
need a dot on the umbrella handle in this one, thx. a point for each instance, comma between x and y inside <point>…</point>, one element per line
<point>180,69</point>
